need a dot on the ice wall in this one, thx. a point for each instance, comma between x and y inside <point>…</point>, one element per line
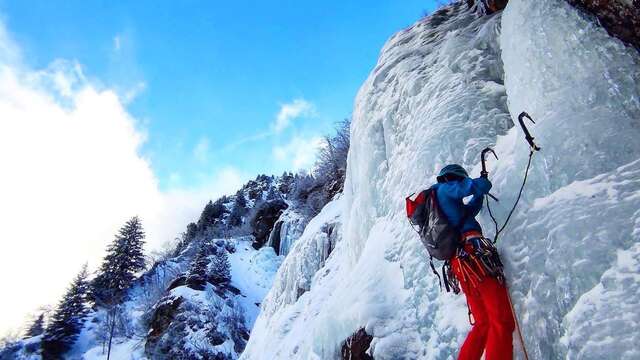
<point>574,241</point>
<point>438,95</point>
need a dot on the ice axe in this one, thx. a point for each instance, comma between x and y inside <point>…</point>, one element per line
<point>484,173</point>
<point>527,134</point>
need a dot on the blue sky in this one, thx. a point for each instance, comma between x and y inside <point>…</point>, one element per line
<point>207,80</point>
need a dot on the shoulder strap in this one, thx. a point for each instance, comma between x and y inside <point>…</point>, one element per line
<point>465,216</point>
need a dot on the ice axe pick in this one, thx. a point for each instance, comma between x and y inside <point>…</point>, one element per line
<point>484,173</point>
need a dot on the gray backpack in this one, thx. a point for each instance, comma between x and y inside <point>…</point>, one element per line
<point>438,235</point>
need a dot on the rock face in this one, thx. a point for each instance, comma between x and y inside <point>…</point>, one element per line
<point>489,6</point>
<point>356,346</point>
<point>192,324</point>
<point>162,317</point>
<point>621,18</point>
<point>265,218</point>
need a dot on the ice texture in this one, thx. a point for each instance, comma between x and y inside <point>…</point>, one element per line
<point>287,230</point>
<point>294,279</point>
<point>442,90</point>
<point>581,208</point>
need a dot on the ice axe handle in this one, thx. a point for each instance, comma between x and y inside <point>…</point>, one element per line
<point>493,197</point>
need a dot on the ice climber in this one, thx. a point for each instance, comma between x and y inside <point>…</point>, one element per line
<point>471,263</point>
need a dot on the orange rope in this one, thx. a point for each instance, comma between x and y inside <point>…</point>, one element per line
<point>479,265</point>
<point>515,317</point>
<point>472,271</point>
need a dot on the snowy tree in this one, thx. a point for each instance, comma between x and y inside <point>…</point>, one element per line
<point>192,231</point>
<point>197,274</point>
<point>286,180</point>
<point>125,257</point>
<point>331,164</point>
<point>186,238</point>
<point>67,320</point>
<point>238,211</point>
<point>36,328</point>
<point>273,194</point>
<point>211,214</point>
<point>240,200</point>
<point>220,267</point>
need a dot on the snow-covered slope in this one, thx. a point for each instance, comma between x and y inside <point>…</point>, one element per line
<point>442,90</point>
<point>218,317</point>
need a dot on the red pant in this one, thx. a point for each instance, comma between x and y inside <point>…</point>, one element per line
<point>494,324</point>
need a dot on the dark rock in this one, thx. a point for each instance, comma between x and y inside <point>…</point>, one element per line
<point>196,283</point>
<point>161,320</point>
<point>491,6</point>
<point>299,292</point>
<point>264,220</point>
<point>274,237</point>
<point>216,338</point>
<point>234,290</point>
<point>355,346</point>
<point>619,19</point>
<point>179,281</point>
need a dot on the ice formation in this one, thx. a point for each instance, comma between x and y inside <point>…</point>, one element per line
<point>442,90</point>
<point>286,231</point>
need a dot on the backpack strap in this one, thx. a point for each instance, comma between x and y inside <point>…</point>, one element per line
<point>433,268</point>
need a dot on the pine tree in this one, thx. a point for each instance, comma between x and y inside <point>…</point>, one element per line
<point>125,257</point>
<point>67,320</point>
<point>239,209</point>
<point>240,200</point>
<point>211,214</point>
<point>192,231</point>
<point>272,194</point>
<point>286,180</point>
<point>36,328</point>
<point>197,274</point>
<point>220,267</point>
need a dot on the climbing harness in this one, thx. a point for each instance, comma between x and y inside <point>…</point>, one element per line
<point>532,149</point>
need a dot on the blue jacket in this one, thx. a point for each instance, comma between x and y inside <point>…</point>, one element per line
<point>450,195</point>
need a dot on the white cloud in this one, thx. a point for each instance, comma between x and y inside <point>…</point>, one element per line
<point>201,150</point>
<point>133,92</point>
<point>291,111</point>
<point>72,174</point>
<point>10,53</point>
<point>116,43</point>
<point>299,153</point>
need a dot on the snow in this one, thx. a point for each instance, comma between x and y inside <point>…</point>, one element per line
<point>442,90</point>
<point>590,331</point>
<point>128,350</point>
<point>252,272</point>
